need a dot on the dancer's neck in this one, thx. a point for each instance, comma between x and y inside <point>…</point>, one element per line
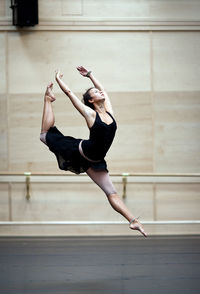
<point>100,108</point>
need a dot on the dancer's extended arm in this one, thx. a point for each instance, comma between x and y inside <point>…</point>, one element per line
<point>82,108</point>
<point>84,72</point>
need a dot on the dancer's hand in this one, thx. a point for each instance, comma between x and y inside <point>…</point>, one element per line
<point>58,75</point>
<point>60,82</point>
<point>82,70</point>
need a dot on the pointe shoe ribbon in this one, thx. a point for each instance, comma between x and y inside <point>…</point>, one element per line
<point>135,218</point>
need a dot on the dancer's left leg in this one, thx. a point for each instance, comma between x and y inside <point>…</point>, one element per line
<point>102,179</point>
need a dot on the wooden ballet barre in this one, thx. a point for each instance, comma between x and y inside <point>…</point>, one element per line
<point>150,222</point>
<point>7,173</point>
<point>61,177</point>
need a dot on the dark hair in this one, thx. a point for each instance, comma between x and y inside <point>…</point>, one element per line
<point>87,97</point>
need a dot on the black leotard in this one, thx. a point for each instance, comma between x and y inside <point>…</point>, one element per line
<point>66,148</point>
<point>101,138</point>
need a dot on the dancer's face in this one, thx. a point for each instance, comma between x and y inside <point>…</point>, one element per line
<point>96,95</point>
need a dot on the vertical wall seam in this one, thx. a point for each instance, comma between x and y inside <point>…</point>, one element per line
<point>82,8</point>
<point>7,102</point>
<point>8,129</point>
<point>152,99</point>
<point>154,202</point>
<point>153,125</point>
<point>10,201</point>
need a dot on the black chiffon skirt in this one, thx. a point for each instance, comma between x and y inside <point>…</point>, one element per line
<point>67,153</point>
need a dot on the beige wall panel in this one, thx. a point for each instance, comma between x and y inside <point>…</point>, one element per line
<point>3,63</point>
<point>179,9</point>
<point>177,136</point>
<point>49,9</point>
<point>96,230</point>
<point>106,54</point>
<point>66,230</point>
<point>176,61</point>
<point>3,133</point>
<point>117,8</point>
<point>26,150</point>
<point>28,153</point>
<point>4,202</point>
<point>178,202</point>
<point>72,7</point>
<point>173,229</point>
<point>61,202</point>
<point>132,147</point>
<point>78,201</point>
<point>131,151</point>
<point>3,8</point>
<point>139,200</point>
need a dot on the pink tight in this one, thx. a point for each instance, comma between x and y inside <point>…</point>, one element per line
<point>102,179</point>
<point>43,137</point>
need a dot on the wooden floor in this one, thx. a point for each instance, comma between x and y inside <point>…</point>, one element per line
<point>114,265</point>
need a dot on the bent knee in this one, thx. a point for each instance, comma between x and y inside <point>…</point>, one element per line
<point>110,190</point>
<point>111,193</point>
<point>43,137</point>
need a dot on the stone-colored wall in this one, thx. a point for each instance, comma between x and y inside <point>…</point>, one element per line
<point>146,54</point>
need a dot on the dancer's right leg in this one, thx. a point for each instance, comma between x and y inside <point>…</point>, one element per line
<point>48,118</point>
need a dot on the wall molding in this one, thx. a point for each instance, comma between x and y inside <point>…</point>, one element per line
<point>150,222</point>
<point>105,24</point>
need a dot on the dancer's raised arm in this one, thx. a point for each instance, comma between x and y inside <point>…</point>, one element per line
<point>81,107</point>
<point>84,72</point>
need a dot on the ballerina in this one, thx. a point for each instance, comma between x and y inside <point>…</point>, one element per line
<point>78,155</point>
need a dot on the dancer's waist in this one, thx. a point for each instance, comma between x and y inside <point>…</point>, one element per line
<point>82,153</point>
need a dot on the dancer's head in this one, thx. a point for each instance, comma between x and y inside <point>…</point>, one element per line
<point>93,95</point>
<point>87,98</point>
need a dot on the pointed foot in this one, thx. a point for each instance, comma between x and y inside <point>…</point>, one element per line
<point>136,225</point>
<point>49,92</point>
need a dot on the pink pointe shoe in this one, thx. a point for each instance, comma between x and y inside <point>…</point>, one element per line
<point>134,224</point>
